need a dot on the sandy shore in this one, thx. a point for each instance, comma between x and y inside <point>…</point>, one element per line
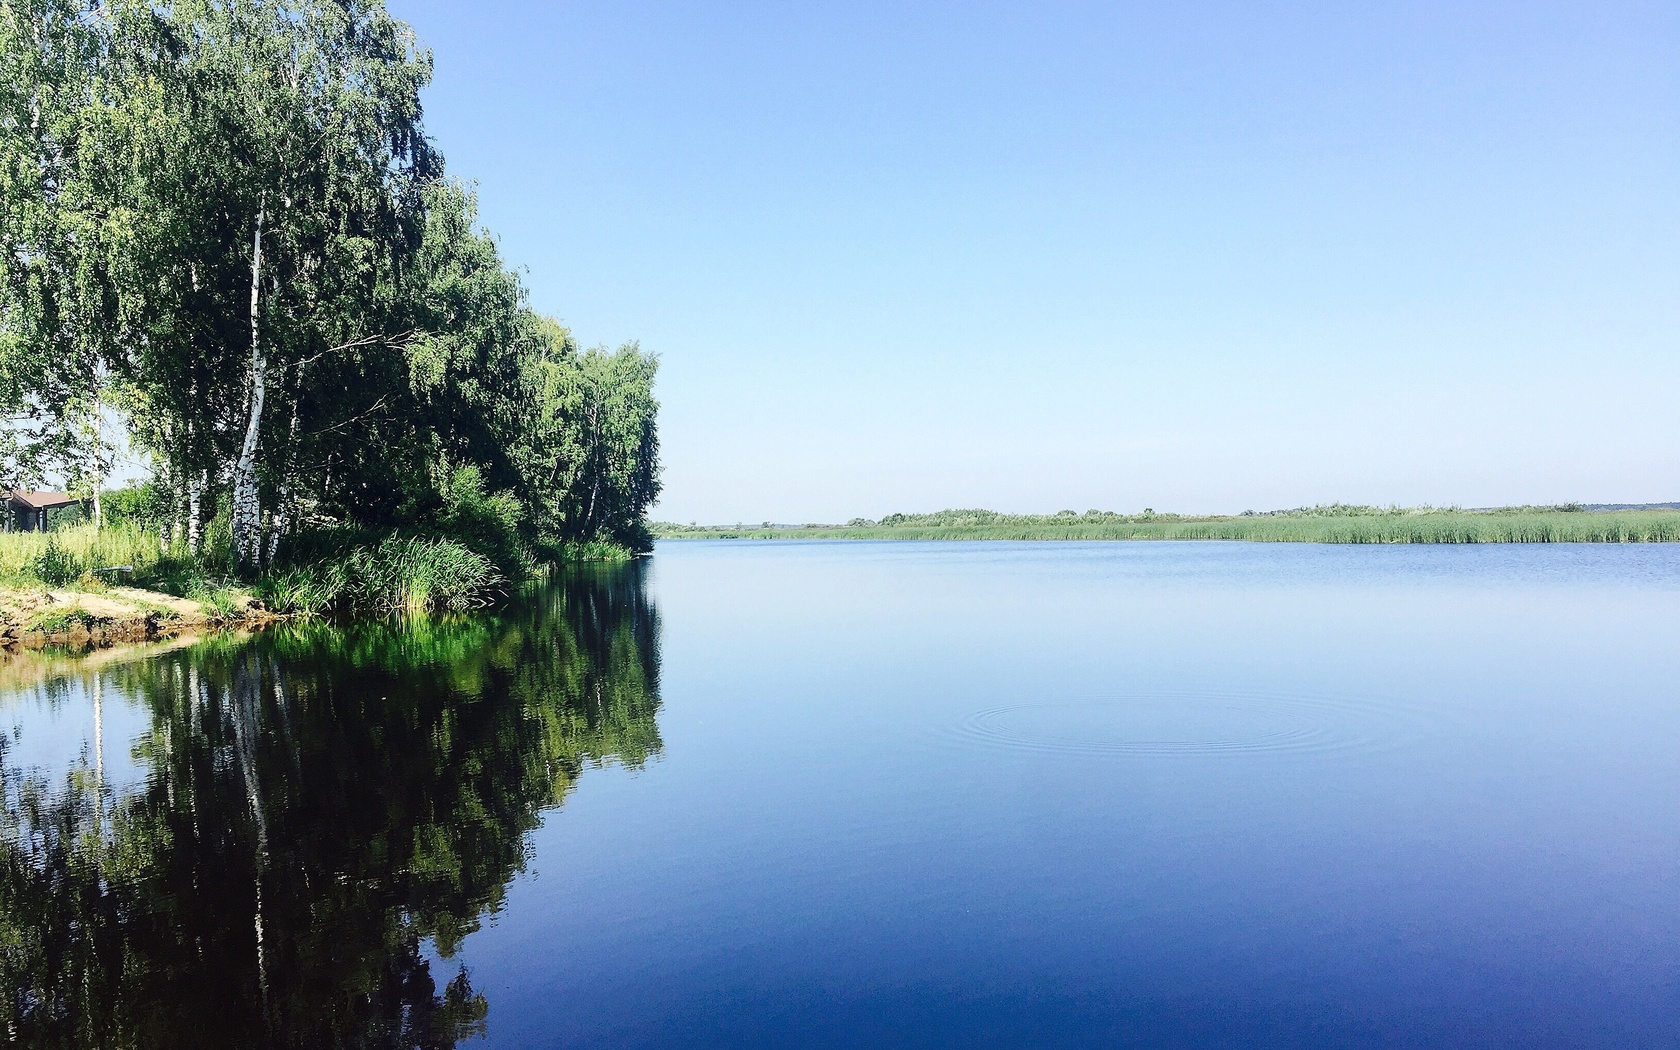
<point>32,618</point>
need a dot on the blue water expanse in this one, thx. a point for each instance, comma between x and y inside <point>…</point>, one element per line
<point>908,794</point>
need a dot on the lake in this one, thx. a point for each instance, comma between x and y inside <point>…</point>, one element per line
<point>858,794</point>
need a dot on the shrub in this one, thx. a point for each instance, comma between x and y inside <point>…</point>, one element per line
<point>145,507</point>
<point>55,565</point>
<point>486,522</point>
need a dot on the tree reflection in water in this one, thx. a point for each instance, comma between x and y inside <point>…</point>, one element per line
<point>320,804</point>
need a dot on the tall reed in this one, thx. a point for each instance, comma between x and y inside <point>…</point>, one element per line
<point>396,574</point>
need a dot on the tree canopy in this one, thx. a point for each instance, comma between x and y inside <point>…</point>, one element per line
<point>224,220</point>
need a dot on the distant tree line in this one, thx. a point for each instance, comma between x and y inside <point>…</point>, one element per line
<point>224,224</point>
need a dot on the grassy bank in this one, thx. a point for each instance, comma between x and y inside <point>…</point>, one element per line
<point>1336,524</point>
<point>121,580</point>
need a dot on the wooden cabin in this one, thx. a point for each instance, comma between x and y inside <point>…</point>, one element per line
<point>27,511</point>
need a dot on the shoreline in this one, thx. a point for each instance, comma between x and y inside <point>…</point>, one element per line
<point>81,620</point>
<point>1427,526</point>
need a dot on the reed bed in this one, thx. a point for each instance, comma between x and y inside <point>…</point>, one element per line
<point>1311,525</point>
<point>397,574</point>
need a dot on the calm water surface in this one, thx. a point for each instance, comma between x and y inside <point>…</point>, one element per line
<point>879,795</point>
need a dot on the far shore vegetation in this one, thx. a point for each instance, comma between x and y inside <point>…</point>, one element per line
<point>229,246</point>
<point>1338,523</point>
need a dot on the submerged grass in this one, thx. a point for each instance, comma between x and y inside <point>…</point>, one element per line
<point>1333,524</point>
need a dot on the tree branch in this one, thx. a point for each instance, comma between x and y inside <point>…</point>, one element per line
<point>354,344</point>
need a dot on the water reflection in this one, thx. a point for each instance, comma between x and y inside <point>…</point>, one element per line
<point>319,805</point>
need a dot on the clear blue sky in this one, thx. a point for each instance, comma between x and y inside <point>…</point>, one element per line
<point>1028,256</point>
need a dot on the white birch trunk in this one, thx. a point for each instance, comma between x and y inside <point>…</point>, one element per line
<point>195,519</point>
<point>170,531</point>
<point>283,512</point>
<point>247,726</point>
<point>592,457</point>
<point>247,511</point>
<point>99,448</point>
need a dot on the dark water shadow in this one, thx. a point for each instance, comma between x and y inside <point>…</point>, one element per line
<point>323,808</point>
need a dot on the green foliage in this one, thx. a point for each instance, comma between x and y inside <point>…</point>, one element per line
<point>587,451</point>
<point>349,569</point>
<point>488,523</point>
<point>299,591</point>
<point>55,565</point>
<point>414,574</point>
<point>396,574</point>
<point>65,555</point>
<point>57,621</point>
<point>208,201</point>
<point>589,551</point>
<point>1338,523</point>
<point>216,553</point>
<point>144,507</point>
<point>222,602</point>
<point>56,315</point>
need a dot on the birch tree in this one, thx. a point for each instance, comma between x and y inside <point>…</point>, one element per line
<point>324,151</point>
<point>57,225</point>
<point>222,219</point>
<point>288,198</point>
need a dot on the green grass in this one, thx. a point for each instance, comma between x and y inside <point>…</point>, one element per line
<point>223,601</point>
<point>395,574</point>
<point>341,572</point>
<point>572,552</point>
<point>1331,524</point>
<point>65,555</point>
<point>59,621</point>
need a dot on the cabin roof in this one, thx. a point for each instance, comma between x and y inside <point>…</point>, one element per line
<point>44,500</point>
